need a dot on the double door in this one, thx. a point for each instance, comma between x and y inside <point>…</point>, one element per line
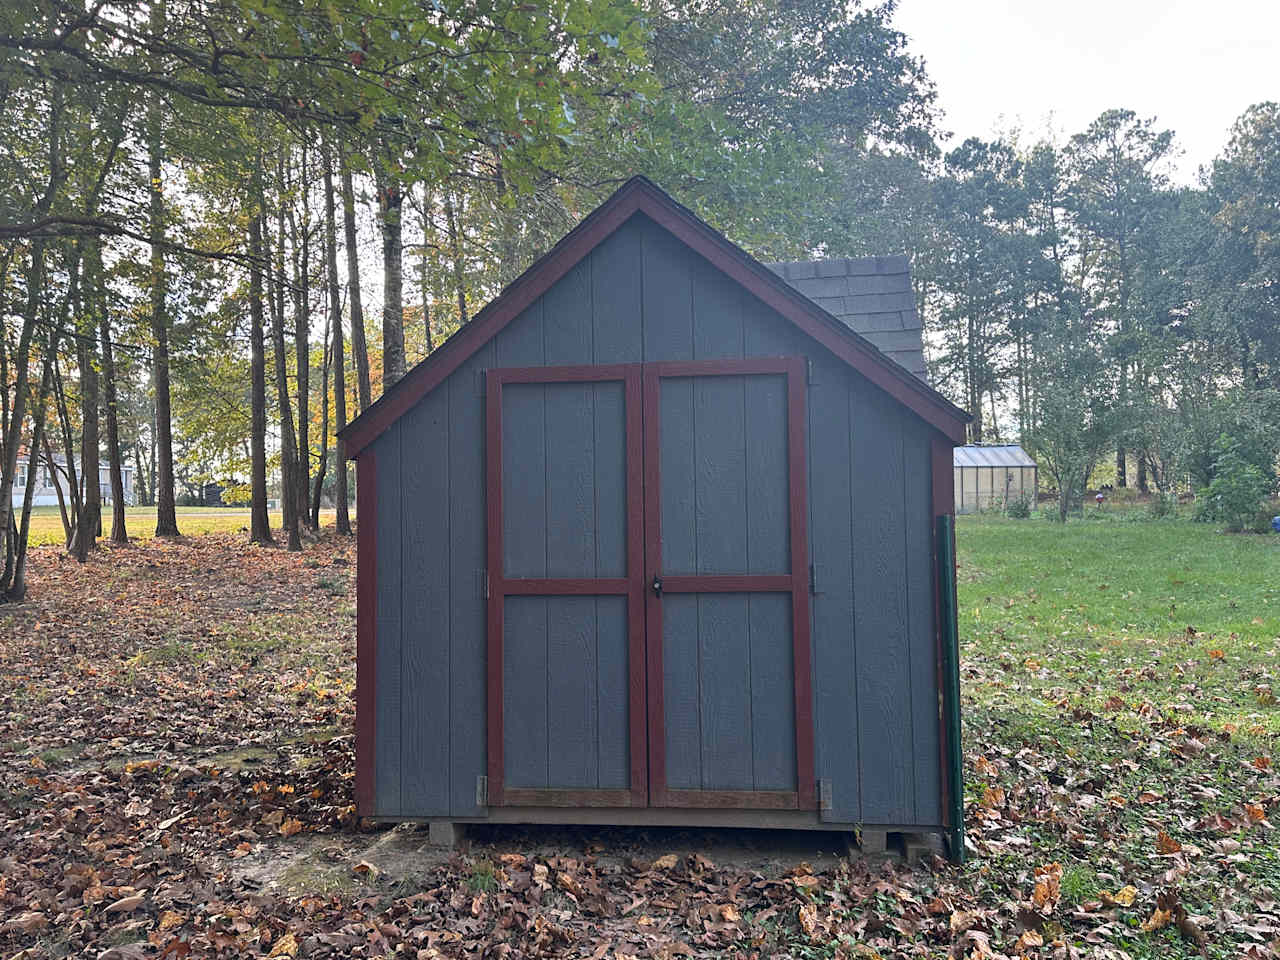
<point>647,584</point>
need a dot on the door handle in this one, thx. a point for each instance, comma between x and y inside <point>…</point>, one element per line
<point>657,585</point>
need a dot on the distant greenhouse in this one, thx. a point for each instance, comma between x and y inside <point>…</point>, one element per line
<point>987,477</point>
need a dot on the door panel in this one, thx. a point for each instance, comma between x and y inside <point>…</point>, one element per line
<point>648,586</point>
<point>565,587</point>
<point>727,616</point>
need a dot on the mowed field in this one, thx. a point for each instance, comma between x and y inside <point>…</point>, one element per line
<point>176,776</point>
<point>46,522</point>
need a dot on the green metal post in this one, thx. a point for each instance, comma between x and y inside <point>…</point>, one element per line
<point>946,535</point>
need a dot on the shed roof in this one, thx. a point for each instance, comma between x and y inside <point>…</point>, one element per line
<point>639,195</point>
<point>872,295</point>
<point>991,455</point>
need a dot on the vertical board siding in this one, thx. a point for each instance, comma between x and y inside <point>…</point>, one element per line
<point>880,609</point>
<point>773,720</point>
<point>570,479</point>
<point>425,603</point>
<point>725,691</point>
<point>727,661</point>
<point>617,298</point>
<point>524,480</point>
<point>768,526</point>
<point>525,748</point>
<point>466,548</point>
<point>680,684</point>
<point>390,668</point>
<point>717,313</point>
<point>921,630</point>
<point>835,692</point>
<point>572,696</point>
<point>613,681</point>
<point>667,291</point>
<point>720,474</point>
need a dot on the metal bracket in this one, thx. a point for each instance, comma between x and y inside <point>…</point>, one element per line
<point>482,791</point>
<point>813,579</point>
<point>482,583</point>
<point>824,794</point>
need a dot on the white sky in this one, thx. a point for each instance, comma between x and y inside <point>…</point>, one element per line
<point>1035,64</point>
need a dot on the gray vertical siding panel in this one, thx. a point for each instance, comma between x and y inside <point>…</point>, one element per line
<point>720,474</point>
<point>521,342</point>
<point>667,296</point>
<point>570,480</point>
<point>466,549</point>
<point>572,695</point>
<point>425,602</point>
<point>725,691</point>
<point>524,480</point>
<point>525,748</point>
<point>768,489</point>
<point>612,685</point>
<point>680,673</point>
<point>717,312</point>
<point>773,723</point>
<point>835,699</point>
<point>610,480</point>
<point>389,665</point>
<point>675,455</point>
<point>766,334</point>
<point>880,608</point>
<point>567,318</point>
<point>617,297</point>
<point>917,472</point>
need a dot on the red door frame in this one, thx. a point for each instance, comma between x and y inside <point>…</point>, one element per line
<point>647,735</point>
<point>631,586</point>
<point>796,583</point>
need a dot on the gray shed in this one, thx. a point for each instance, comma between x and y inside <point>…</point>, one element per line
<point>658,539</point>
<point>991,476</point>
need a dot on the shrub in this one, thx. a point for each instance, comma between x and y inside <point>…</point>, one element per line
<point>237,494</point>
<point>1239,487</point>
<point>1019,507</point>
<point>1163,506</point>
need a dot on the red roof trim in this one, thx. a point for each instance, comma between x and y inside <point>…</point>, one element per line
<point>640,195</point>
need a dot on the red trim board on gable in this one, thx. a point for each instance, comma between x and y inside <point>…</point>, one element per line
<point>640,195</point>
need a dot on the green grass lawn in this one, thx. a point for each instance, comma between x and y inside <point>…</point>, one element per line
<point>1120,681</point>
<point>46,522</point>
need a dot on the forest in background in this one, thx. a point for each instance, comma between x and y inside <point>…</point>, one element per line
<point>227,225</point>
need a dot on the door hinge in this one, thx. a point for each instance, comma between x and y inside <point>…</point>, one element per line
<point>813,578</point>
<point>808,370</point>
<point>482,791</point>
<point>482,382</point>
<point>824,794</point>
<point>482,582</point>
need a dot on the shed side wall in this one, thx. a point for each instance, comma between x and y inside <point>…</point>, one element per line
<point>644,296</point>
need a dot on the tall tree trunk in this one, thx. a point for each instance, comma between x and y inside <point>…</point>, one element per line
<point>358,348</point>
<point>259,524</point>
<point>324,431</point>
<point>288,441</point>
<point>339,365</point>
<point>302,342</point>
<point>16,575</point>
<point>390,200</point>
<point>166,509</point>
<point>119,533</point>
<point>90,522</point>
<point>459,268</point>
<point>35,291</point>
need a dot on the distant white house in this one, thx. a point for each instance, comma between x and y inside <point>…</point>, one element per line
<point>46,495</point>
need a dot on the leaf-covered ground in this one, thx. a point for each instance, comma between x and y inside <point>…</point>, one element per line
<point>176,777</point>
